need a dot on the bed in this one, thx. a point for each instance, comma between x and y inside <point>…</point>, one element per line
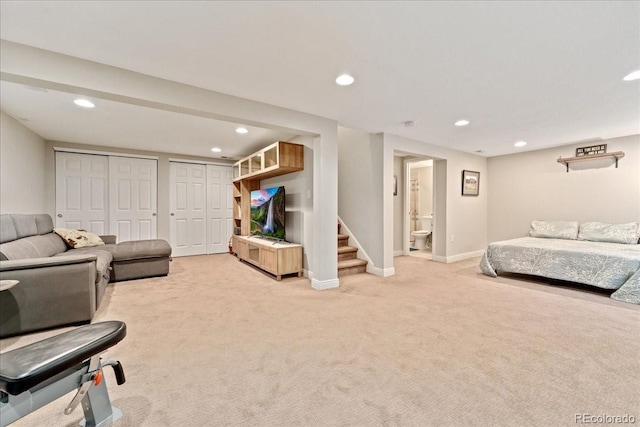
<point>596,254</point>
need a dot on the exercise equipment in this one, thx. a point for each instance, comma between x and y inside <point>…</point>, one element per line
<point>37,374</point>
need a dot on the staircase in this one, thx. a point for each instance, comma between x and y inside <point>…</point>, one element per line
<point>348,263</point>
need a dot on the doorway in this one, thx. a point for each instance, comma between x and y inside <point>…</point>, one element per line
<point>420,198</point>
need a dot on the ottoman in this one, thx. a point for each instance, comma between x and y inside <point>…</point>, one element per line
<point>139,259</point>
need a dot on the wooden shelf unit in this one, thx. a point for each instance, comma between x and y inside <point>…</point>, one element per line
<point>614,155</point>
<point>242,204</point>
<point>277,159</point>
<point>274,257</point>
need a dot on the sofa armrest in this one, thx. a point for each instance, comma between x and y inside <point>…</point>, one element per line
<point>23,264</point>
<point>109,239</point>
<point>51,292</point>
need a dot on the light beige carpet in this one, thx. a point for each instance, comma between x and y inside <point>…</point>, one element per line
<point>217,343</point>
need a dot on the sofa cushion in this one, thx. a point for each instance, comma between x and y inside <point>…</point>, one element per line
<point>33,247</point>
<point>103,260</point>
<point>25,225</point>
<point>44,223</point>
<point>7,229</point>
<point>139,249</point>
<point>78,238</point>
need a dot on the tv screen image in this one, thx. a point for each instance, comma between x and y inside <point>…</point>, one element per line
<point>267,213</point>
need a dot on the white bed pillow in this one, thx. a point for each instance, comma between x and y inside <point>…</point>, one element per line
<point>567,230</point>
<point>612,233</point>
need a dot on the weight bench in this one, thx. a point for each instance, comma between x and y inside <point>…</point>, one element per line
<point>37,374</point>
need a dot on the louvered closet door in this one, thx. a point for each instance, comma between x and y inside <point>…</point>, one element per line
<point>188,220</point>
<point>219,208</point>
<point>133,195</point>
<point>82,192</point>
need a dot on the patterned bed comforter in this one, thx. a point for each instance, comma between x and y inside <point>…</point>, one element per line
<point>605,265</point>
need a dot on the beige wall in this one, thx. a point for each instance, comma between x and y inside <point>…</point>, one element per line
<point>22,168</point>
<point>533,186</point>
<point>360,189</point>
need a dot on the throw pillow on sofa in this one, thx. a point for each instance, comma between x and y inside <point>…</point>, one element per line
<point>78,238</point>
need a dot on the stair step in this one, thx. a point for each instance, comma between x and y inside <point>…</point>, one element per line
<point>346,252</point>
<point>351,266</point>
<point>343,239</point>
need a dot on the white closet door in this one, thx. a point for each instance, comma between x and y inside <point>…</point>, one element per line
<point>219,208</point>
<point>133,195</point>
<point>82,192</point>
<point>188,220</point>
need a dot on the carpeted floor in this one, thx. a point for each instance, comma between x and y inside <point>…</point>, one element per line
<point>217,343</point>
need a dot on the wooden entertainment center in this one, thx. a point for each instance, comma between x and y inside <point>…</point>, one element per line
<point>277,258</point>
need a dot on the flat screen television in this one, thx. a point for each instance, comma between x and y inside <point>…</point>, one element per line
<point>267,213</point>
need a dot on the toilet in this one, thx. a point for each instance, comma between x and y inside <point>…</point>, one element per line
<point>420,236</point>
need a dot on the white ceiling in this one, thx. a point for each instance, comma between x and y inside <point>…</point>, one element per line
<point>549,73</point>
<point>54,116</point>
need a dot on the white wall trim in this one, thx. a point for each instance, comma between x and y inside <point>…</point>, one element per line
<point>103,153</point>
<point>459,257</point>
<point>382,272</point>
<point>322,285</point>
<point>199,162</point>
<point>399,252</point>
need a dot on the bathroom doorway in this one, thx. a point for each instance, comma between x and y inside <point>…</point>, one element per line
<point>420,207</point>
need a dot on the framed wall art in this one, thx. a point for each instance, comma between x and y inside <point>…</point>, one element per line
<point>470,183</point>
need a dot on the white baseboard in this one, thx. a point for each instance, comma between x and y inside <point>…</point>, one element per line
<point>459,257</point>
<point>382,272</point>
<point>321,285</point>
<point>398,253</point>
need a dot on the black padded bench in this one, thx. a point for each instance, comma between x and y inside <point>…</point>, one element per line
<point>36,374</point>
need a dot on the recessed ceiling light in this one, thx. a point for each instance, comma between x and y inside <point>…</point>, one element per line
<point>216,149</point>
<point>345,80</point>
<point>84,103</point>
<point>461,123</point>
<point>520,144</point>
<point>242,130</point>
<point>632,76</point>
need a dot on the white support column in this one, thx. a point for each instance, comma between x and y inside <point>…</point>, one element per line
<point>325,210</point>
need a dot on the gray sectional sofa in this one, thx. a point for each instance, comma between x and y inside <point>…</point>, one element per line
<point>61,286</point>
